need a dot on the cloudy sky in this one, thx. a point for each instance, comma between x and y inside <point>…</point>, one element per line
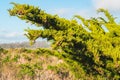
<point>12,28</point>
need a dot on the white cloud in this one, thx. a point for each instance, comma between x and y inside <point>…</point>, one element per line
<point>63,12</point>
<point>86,13</point>
<point>6,34</point>
<point>83,13</point>
<point>2,30</point>
<point>6,37</point>
<point>107,4</point>
<point>13,34</point>
<point>70,12</point>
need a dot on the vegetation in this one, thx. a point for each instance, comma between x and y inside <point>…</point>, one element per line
<point>25,64</point>
<point>38,44</point>
<point>90,49</point>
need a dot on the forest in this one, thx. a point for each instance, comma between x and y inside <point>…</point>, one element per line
<point>80,49</point>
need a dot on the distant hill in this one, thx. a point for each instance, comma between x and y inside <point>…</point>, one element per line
<point>38,44</point>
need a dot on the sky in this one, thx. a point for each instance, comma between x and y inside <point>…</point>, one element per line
<point>12,28</point>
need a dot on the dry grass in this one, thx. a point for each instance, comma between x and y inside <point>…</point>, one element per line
<point>11,69</point>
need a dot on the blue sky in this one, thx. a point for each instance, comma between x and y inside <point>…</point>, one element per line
<point>12,28</point>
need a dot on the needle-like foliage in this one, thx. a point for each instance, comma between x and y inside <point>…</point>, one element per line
<point>95,50</point>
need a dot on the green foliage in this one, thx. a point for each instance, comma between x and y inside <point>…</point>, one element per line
<point>61,69</point>
<point>1,50</point>
<point>16,57</point>
<point>86,46</point>
<point>6,59</point>
<point>29,69</point>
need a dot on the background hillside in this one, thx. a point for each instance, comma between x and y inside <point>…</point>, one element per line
<point>38,44</point>
<point>25,64</point>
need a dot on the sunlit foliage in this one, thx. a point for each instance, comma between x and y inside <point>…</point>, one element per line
<point>93,45</point>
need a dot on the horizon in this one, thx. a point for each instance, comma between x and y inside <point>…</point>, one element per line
<point>12,28</point>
